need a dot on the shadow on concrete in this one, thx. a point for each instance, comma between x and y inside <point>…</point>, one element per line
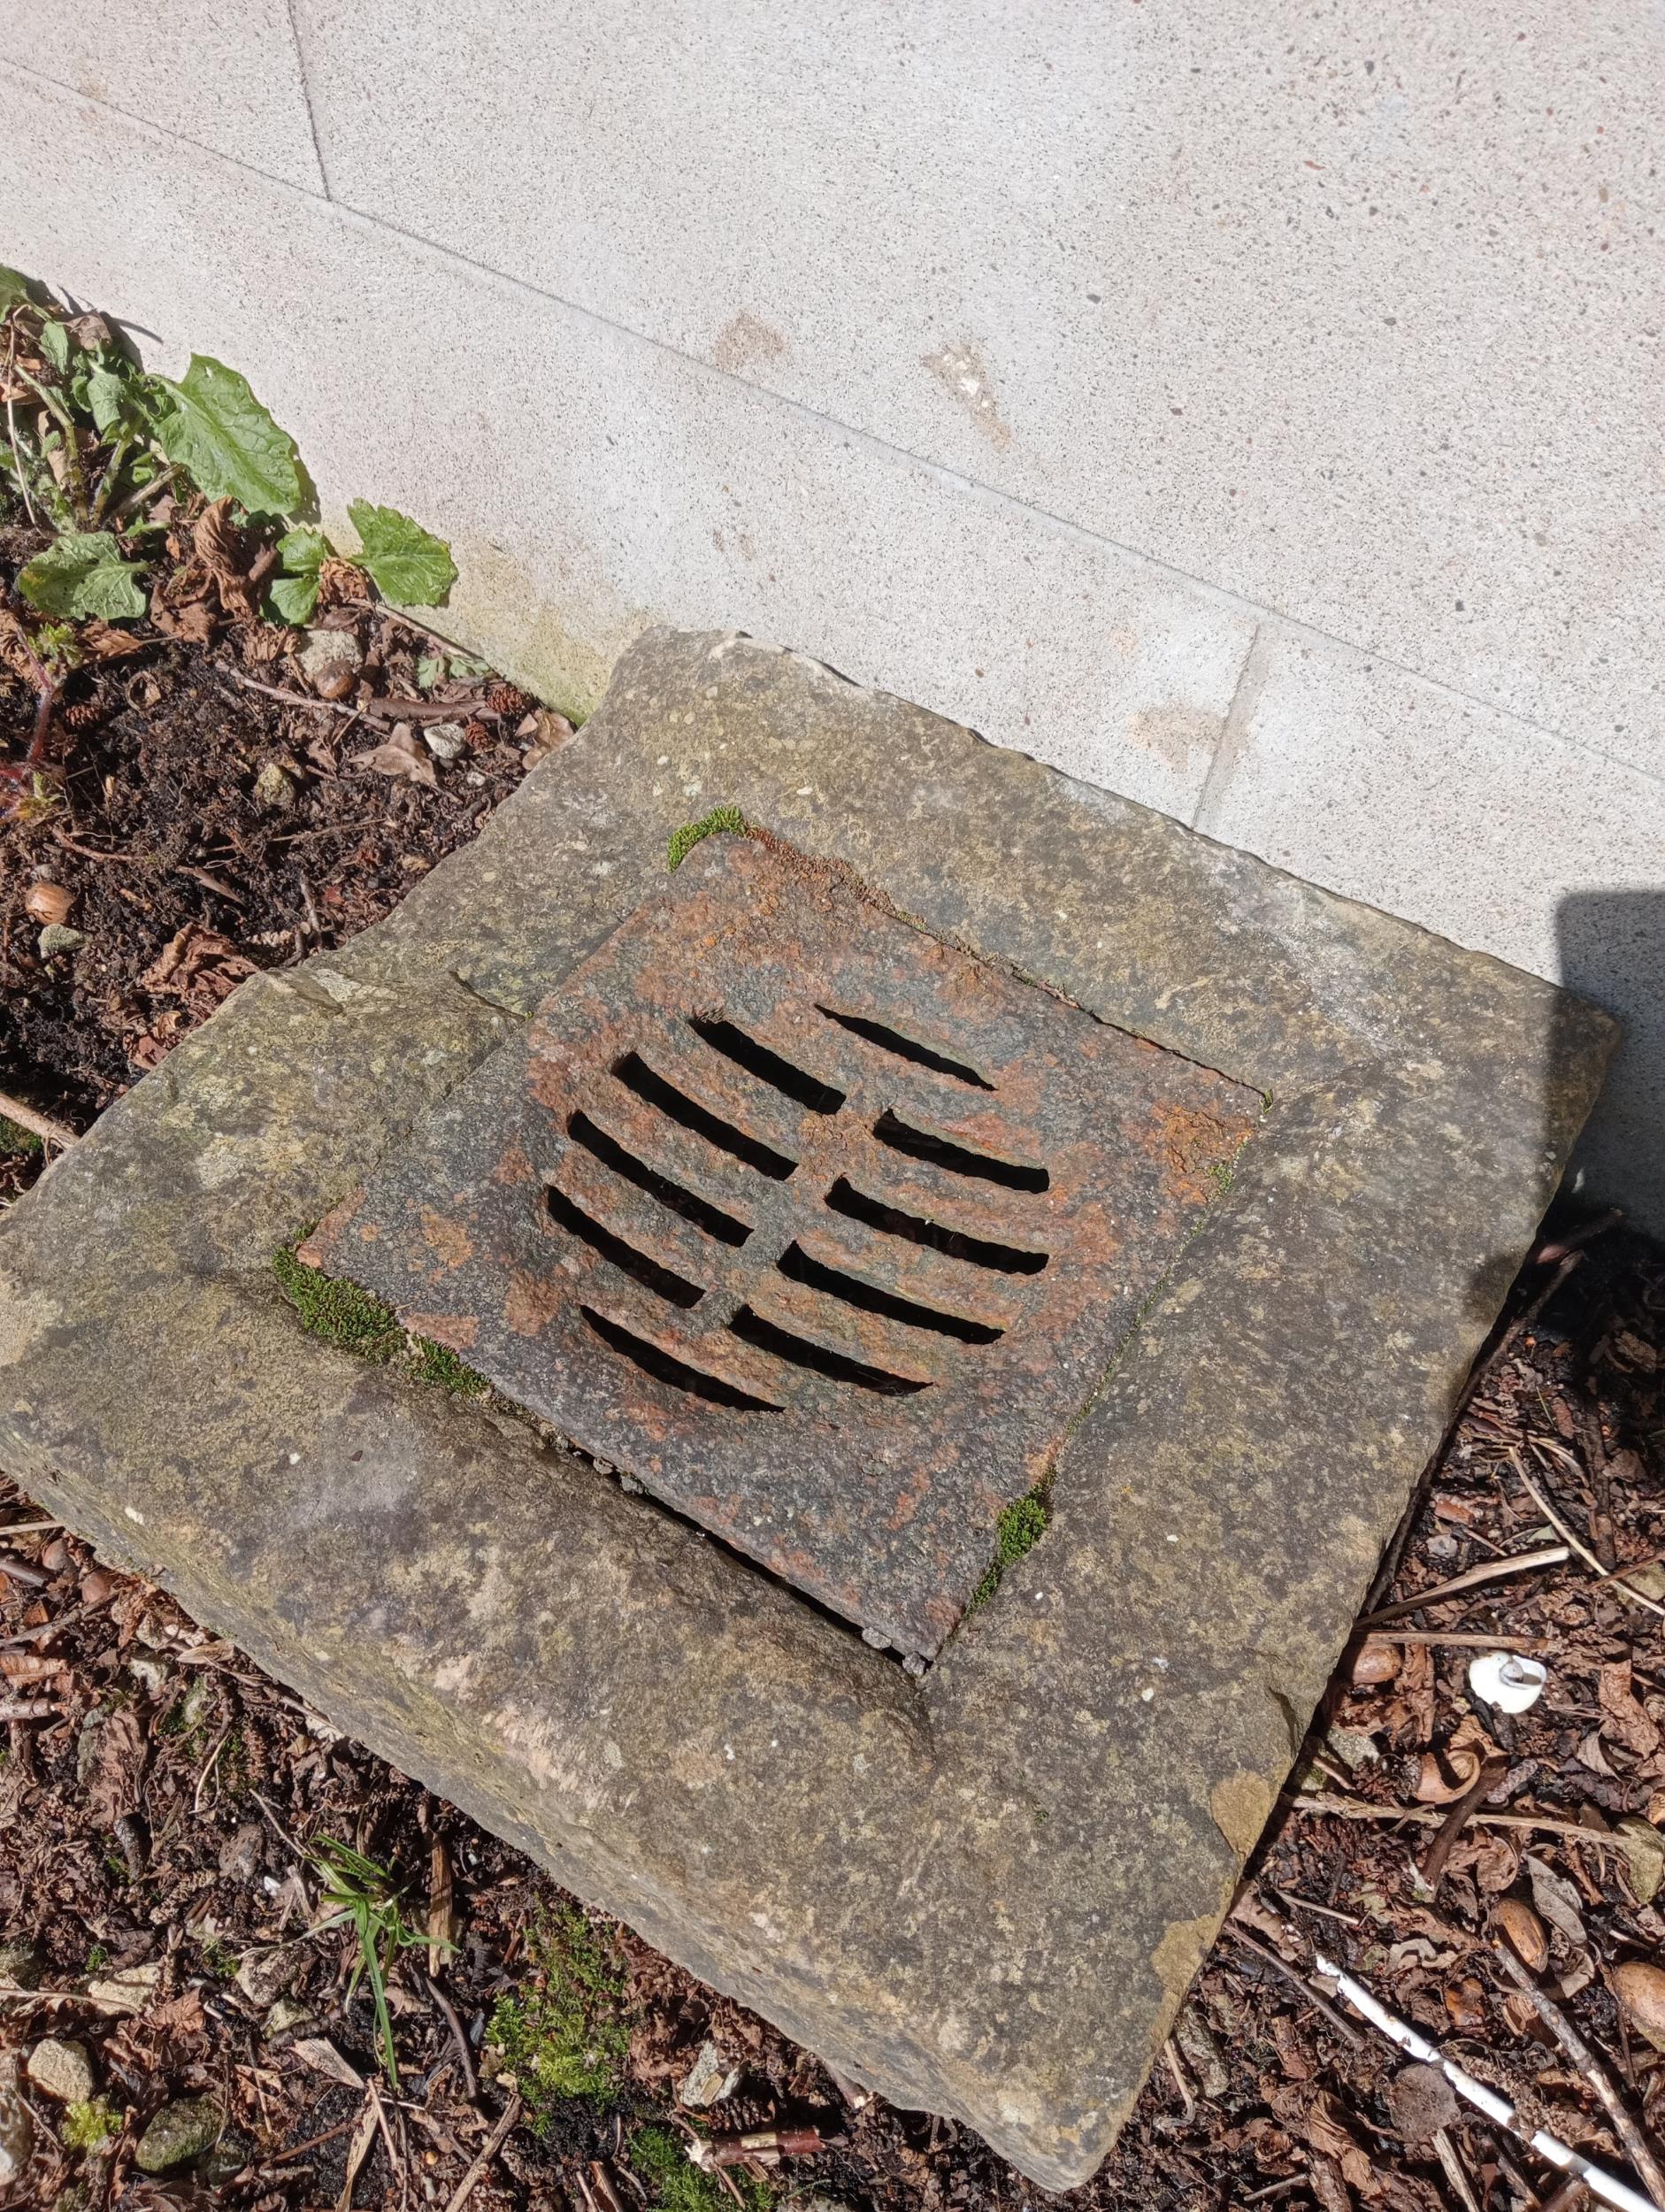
<point>1612,952</point>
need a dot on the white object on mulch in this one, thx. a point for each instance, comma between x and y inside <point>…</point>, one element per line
<point>1605,2187</point>
<point>1506,1679</point>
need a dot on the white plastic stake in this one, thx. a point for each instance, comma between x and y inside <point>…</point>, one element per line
<point>1601,2184</point>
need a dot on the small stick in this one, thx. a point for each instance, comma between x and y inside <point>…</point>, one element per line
<point>1637,2144</point>
<point>1451,1640</point>
<point>471,2080</point>
<point>1492,1772</point>
<point>1430,1816</point>
<point>1171,2059</point>
<point>1455,2173</point>
<point>11,430</point>
<point>1344,2028</point>
<point>1615,1576</point>
<point>1488,1571</point>
<point>1496,2107</point>
<point>144,495</point>
<point>38,1124</point>
<point>288,698</point>
<point>466,2187</point>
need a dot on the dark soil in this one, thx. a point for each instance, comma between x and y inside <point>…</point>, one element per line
<point>154,826</point>
<point>164,1806</point>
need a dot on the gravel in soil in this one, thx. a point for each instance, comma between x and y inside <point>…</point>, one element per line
<point>195,1871</point>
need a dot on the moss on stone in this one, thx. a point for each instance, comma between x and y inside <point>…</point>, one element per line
<point>659,2160</point>
<point>562,2034</point>
<point>1019,1529</point>
<point>342,1314</point>
<point>721,818</point>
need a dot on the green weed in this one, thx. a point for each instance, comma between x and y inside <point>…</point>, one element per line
<point>342,1314</point>
<point>361,1895</point>
<point>15,1139</point>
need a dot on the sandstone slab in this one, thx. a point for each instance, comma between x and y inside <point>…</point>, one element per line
<point>983,1891</point>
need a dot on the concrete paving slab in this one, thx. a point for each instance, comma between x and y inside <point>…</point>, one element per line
<point>1354,313</point>
<point>1360,778</point>
<point>985,1891</point>
<point>592,483</point>
<point>225,79</point>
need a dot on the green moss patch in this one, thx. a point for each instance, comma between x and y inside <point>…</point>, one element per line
<point>342,1314</point>
<point>1020,1528</point>
<point>562,2034</point>
<point>721,818</point>
<point>89,2125</point>
<point>15,1138</point>
<point>659,2160</point>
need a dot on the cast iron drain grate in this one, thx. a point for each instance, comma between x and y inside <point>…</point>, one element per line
<point>822,1229</point>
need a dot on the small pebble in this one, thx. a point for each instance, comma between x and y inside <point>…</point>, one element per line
<point>274,790</point>
<point>59,937</point>
<point>182,2131</point>
<point>62,2070</point>
<point>446,741</point>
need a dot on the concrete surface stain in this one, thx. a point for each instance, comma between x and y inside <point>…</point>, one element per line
<point>744,343</point>
<point>1175,735</point>
<point>960,371</point>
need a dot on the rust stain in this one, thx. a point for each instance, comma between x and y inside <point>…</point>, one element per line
<point>456,1330</point>
<point>446,1238</point>
<point>531,1301</point>
<point>961,374</point>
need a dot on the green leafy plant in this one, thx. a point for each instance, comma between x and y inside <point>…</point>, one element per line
<point>82,572</point>
<point>405,562</point>
<point>210,425</point>
<point>362,1896</point>
<point>300,557</point>
<point>562,2034</point>
<point>725,819</point>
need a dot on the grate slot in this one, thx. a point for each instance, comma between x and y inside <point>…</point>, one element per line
<point>796,1084</point>
<point>803,1351</point>
<point>692,1207</point>
<point>636,1076</point>
<point>798,1267</point>
<point>959,1159</point>
<point>844,1198</point>
<point>666,1369</point>
<point>904,1048</point>
<point>663,1281</point>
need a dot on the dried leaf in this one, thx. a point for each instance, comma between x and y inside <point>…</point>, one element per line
<point>105,644</point>
<point>1623,1720</point>
<point>1640,1990</point>
<point>217,544</point>
<point>400,755</point>
<point>319,2052</point>
<point>1444,1777</point>
<point>119,1759</point>
<point>1557,1900</point>
<point>1644,1851</point>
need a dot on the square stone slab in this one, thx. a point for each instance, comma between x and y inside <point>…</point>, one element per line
<point>983,1891</point>
<point>821,1229</point>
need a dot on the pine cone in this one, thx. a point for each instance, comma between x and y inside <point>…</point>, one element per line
<point>505,699</point>
<point>84,715</point>
<point>477,734</point>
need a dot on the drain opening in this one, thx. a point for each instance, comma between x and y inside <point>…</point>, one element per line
<point>803,1351</point>
<point>664,1368</point>
<point>892,1040</point>
<point>689,1204</point>
<point>663,1281</point>
<point>844,1198</point>
<point>797,1266</point>
<point>797,1084</point>
<point>959,1159</point>
<point>634,1073</point>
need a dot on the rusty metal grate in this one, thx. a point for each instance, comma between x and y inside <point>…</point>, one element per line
<point>819,1228</point>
